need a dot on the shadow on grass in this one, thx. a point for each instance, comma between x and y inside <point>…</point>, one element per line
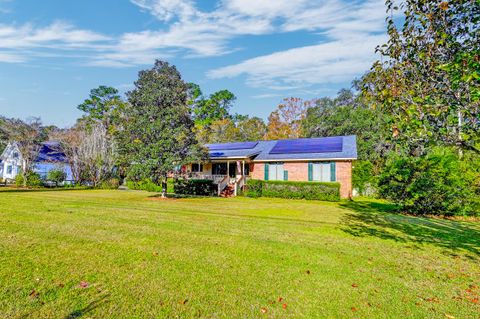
<point>376,219</point>
<point>89,308</point>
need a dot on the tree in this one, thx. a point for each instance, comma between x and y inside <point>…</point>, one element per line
<point>347,114</point>
<point>104,105</point>
<point>28,135</point>
<point>57,175</point>
<point>251,129</point>
<point>4,138</point>
<point>90,152</point>
<point>97,153</point>
<point>206,110</point>
<point>239,129</point>
<point>286,121</point>
<point>157,135</point>
<point>428,80</point>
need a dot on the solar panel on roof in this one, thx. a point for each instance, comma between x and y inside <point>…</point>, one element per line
<point>308,145</point>
<point>232,146</point>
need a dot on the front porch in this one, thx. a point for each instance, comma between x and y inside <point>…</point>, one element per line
<point>230,175</point>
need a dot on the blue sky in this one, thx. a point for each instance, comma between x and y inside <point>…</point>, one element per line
<point>52,52</point>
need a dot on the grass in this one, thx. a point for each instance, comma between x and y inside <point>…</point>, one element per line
<point>120,254</point>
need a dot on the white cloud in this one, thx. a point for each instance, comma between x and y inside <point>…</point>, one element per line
<point>351,32</point>
<point>22,43</point>
<point>348,31</point>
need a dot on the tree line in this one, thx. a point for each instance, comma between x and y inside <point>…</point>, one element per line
<point>416,114</point>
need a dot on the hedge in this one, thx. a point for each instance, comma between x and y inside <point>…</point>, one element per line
<point>326,191</point>
<point>149,186</point>
<point>202,187</point>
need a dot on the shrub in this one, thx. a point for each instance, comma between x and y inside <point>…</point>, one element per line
<point>33,180</point>
<point>254,188</point>
<point>328,191</point>
<point>149,186</point>
<point>201,187</point>
<point>438,183</point>
<point>112,183</point>
<point>58,176</point>
<point>145,185</point>
<point>363,178</point>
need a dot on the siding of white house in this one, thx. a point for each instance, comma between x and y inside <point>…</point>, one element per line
<point>11,162</point>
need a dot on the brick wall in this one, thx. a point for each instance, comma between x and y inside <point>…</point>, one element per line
<point>344,177</point>
<point>298,171</point>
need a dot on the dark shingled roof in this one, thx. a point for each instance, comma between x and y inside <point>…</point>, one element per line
<point>51,152</point>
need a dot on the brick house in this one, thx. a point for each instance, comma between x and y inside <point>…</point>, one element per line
<point>325,159</point>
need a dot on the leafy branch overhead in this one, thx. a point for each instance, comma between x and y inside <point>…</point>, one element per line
<point>429,78</point>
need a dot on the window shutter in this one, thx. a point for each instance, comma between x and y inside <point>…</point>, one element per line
<point>333,172</point>
<point>285,175</point>
<point>310,172</point>
<point>266,172</point>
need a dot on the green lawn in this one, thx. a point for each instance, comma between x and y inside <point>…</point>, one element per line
<point>119,254</point>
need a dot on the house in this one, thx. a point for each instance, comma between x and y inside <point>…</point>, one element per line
<point>11,162</point>
<point>50,157</point>
<point>326,159</point>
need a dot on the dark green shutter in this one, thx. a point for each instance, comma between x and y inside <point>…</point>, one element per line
<point>285,175</point>
<point>266,172</point>
<point>310,172</point>
<point>333,172</point>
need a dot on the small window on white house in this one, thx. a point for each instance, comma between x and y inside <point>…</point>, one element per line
<point>322,172</point>
<point>196,168</point>
<point>9,169</point>
<point>275,172</point>
<point>15,155</point>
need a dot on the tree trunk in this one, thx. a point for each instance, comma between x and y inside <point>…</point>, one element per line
<point>164,187</point>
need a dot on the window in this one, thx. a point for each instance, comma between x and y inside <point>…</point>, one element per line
<point>9,169</point>
<point>197,168</point>
<point>322,172</point>
<point>275,172</point>
<point>219,168</point>
<point>15,155</point>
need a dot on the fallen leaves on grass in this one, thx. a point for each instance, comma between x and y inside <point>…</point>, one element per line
<point>284,306</point>
<point>308,272</point>
<point>34,294</point>
<point>83,284</point>
<point>184,301</point>
<point>263,310</point>
<point>354,309</point>
<point>354,285</point>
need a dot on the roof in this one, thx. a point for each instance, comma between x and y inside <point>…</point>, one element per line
<point>323,148</point>
<point>51,152</point>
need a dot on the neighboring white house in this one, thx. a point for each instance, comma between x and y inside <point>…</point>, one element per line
<point>11,162</point>
<point>50,157</point>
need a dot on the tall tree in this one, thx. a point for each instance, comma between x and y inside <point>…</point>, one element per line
<point>105,106</point>
<point>215,107</point>
<point>157,135</point>
<point>286,120</point>
<point>429,77</point>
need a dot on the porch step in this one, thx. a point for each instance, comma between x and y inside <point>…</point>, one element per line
<point>229,191</point>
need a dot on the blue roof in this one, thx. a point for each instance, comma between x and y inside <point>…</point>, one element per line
<point>323,148</point>
<point>51,152</point>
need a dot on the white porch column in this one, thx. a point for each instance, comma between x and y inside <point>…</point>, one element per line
<point>243,168</point>
<point>228,168</point>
